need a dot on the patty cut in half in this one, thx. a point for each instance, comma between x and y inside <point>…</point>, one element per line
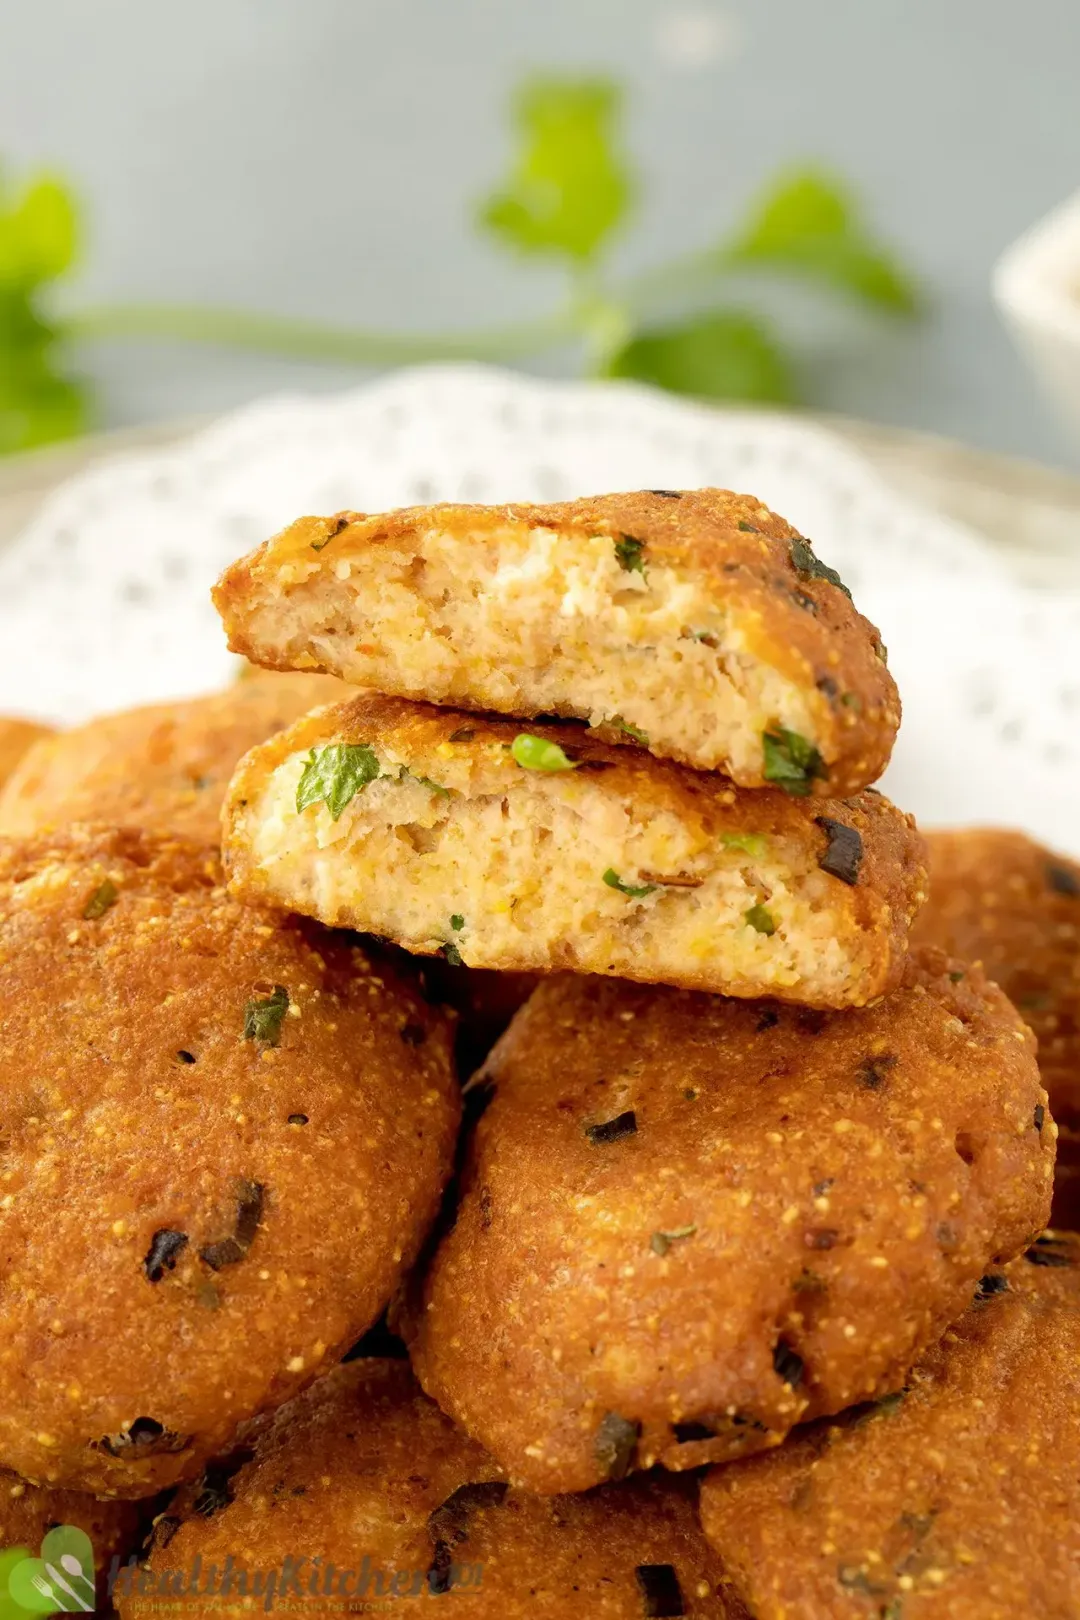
<point>696,623</point>
<point>367,1493</point>
<point>688,1223</point>
<point>957,1498</point>
<point>456,834</point>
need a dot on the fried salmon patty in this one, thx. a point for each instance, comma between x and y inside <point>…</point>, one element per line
<point>164,767</point>
<point>695,623</point>
<point>459,835</point>
<point>224,1134</point>
<point>1001,899</point>
<point>366,1493</point>
<point>958,1496</point>
<point>687,1223</point>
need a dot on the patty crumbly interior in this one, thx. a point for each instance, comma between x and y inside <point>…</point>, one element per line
<point>708,627</point>
<point>611,863</point>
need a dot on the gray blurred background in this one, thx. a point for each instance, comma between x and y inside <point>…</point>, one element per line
<point>321,157</point>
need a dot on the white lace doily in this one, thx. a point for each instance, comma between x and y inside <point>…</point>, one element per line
<point>103,600</point>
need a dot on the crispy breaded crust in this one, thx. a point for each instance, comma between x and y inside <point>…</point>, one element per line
<point>1001,899</point>
<point>367,1475</point>
<point>798,622</point>
<point>164,767</point>
<point>959,1497</point>
<point>695,1222</point>
<point>16,736</point>
<point>224,1136</point>
<point>468,759</point>
<point>27,1513</point>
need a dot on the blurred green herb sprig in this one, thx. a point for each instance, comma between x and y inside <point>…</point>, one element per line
<point>569,195</point>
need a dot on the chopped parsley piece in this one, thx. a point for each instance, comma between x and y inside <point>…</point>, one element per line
<point>661,1242</point>
<point>103,897</point>
<point>457,922</point>
<point>335,775</point>
<point>630,554</point>
<point>791,761</point>
<point>762,919</point>
<point>262,1019</point>
<point>747,528</point>
<point>750,843</point>
<point>634,891</point>
<point>807,566</point>
<point>631,731</point>
<point>956,975</point>
<point>339,524</point>
<point>843,852</point>
<point>451,954</point>
<point>537,754</point>
<point>424,781</point>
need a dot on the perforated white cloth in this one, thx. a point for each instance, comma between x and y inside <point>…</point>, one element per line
<point>103,599</point>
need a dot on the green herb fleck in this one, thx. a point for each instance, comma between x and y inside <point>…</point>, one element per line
<point>103,897</point>
<point>262,1019</point>
<point>537,754</point>
<point>630,554</point>
<point>956,975</point>
<point>424,781</point>
<point>661,1242</point>
<point>747,528</point>
<point>791,761</point>
<point>335,775</point>
<point>635,892</point>
<point>754,844</point>
<point>809,566</point>
<point>339,524</point>
<point>457,922</point>
<point>451,954</point>
<point>631,731</point>
<point>851,700</point>
<point>463,734</point>
<point>762,919</point>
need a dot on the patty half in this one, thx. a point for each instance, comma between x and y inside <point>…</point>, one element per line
<point>532,852</point>
<point>688,1223</point>
<point>223,1135</point>
<point>695,623</point>
<point>368,1494</point>
<point>959,1496</point>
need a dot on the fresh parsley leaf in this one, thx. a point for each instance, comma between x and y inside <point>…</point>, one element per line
<point>103,897</point>
<point>725,354</point>
<point>262,1019</point>
<point>457,922</point>
<point>810,566</point>
<point>754,844</point>
<point>808,224</point>
<point>791,761</point>
<point>335,775</point>
<point>661,1242</point>
<point>631,731</point>
<point>569,188</point>
<point>761,918</point>
<point>635,892</point>
<point>630,554</point>
<point>537,754</point>
<point>451,954</point>
<point>38,244</point>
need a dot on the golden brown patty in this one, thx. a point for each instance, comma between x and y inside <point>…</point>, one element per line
<point>1001,899</point>
<point>165,767</point>
<point>364,1474</point>
<point>697,624</point>
<point>224,1135</point>
<point>16,736</point>
<point>1066,1208</point>
<point>958,1498</point>
<point>440,831</point>
<point>28,1513</point>
<point>688,1224</point>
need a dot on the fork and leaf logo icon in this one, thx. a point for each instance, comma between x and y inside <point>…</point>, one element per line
<point>60,1581</point>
